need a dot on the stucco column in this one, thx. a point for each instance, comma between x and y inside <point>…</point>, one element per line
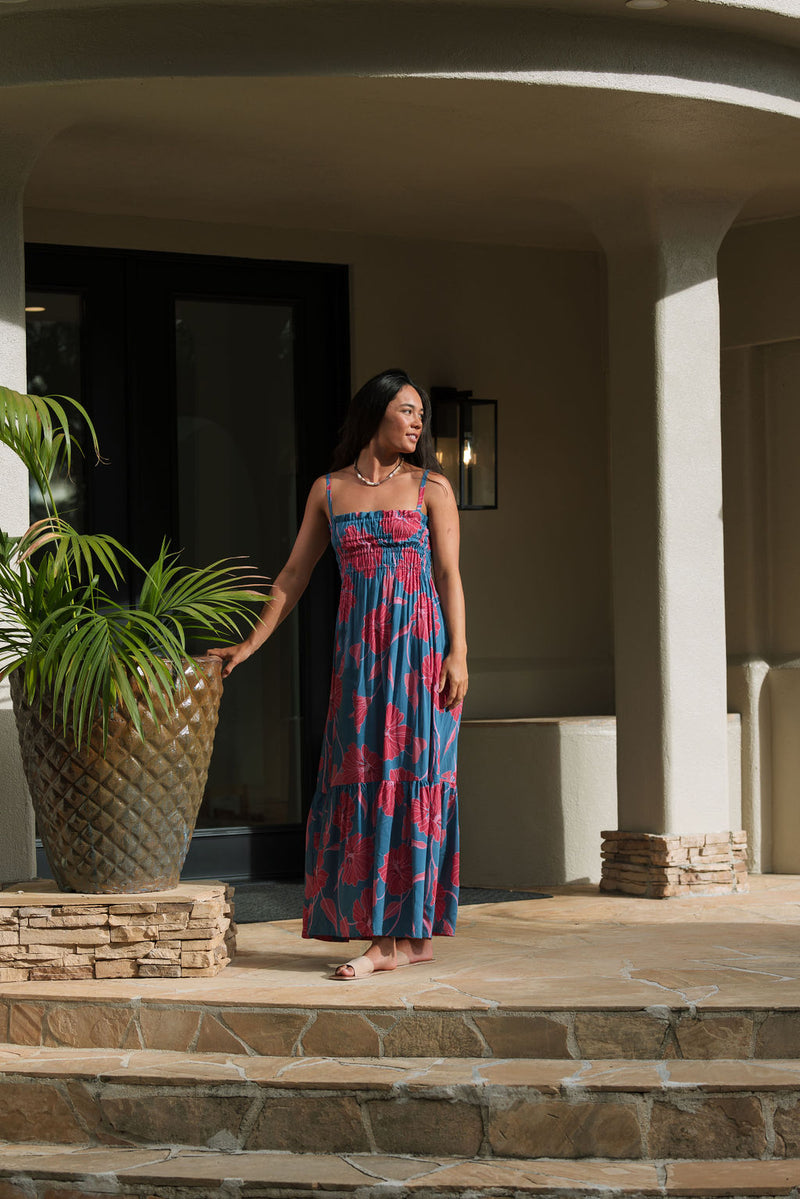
<point>17,153</point>
<point>667,545</point>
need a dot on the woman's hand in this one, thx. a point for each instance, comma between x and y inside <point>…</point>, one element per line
<point>232,655</point>
<point>453,679</point>
<point>443,523</point>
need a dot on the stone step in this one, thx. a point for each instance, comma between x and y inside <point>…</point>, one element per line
<point>165,1020</point>
<point>41,1171</point>
<point>456,1107</point>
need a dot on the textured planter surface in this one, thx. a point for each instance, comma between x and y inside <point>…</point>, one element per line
<point>120,820</point>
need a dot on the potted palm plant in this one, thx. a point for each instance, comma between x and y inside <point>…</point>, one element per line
<point>116,718</point>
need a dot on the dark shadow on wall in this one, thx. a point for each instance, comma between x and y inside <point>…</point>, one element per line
<point>510,786</point>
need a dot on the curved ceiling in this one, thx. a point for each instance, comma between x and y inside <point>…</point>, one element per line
<point>690,47</point>
<point>498,123</point>
<point>448,159</point>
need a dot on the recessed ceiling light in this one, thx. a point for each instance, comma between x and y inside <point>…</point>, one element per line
<point>32,307</point>
<point>646,3</point>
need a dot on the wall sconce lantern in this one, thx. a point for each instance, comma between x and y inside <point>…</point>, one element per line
<point>465,436</point>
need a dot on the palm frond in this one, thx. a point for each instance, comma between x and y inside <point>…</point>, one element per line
<point>79,554</point>
<point>37,429</point>
<point>207,601</point>
<point>8,547</point>
<point>92,662</point>
<point>60,623</point>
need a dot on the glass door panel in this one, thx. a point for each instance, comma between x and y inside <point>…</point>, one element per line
<point>237,485</point>
<point>53,329</point>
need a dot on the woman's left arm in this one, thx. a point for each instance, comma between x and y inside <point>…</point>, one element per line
<point>445,539</point>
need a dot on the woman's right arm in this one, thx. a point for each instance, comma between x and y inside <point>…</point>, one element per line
<point>290,584</point>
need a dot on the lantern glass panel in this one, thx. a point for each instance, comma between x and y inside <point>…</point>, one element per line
<point>478,454</point>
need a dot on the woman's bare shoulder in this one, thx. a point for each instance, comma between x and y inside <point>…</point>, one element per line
<point>317,495</point>
<point>438,489</point>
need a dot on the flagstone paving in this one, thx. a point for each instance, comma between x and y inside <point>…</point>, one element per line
<point>583,1045</point>
<point>580,975</point>
<point>467,1107</point>
<point>579,948</point>
<point>201,1174</point>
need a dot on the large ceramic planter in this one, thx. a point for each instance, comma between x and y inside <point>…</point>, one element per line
<point>119,820</point>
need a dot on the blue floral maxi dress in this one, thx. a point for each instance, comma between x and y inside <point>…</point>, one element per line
<point>382,834</point>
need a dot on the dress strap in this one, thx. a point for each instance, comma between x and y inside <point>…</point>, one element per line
<point>330,501</point>
<point>422,491</point>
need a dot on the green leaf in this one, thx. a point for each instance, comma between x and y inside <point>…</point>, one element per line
<point>37,429</point>
<point>60,622</point>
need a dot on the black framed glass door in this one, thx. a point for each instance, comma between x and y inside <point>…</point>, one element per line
<point>236,470</point>
<point>217,387</point>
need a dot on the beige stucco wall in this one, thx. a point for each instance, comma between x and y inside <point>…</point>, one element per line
<point>760,302</point>
<point>543,826</point>
<point>525,327</point>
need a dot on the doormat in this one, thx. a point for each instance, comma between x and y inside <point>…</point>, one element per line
<point>257,903</point>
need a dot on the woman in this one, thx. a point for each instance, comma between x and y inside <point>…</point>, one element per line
<point>382,836</point>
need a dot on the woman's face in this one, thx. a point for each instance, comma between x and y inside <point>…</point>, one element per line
<point>402,422</point>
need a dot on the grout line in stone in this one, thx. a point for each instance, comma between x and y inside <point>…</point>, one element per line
<point>248,1050</point>
<point>478,1068</point>
<point>469,1022</point>
<point>485,1113</point>
<point>240,1070</point>
<point>744,953</point>
<point>768,1108</point>
<point>662,1070</point>
<point>366,1123</point>
<point>669,1039</point>
<point>61,1088</point>
<point>573,1045</point>
<point>250,1117</point>
<point>574,1082</point>
<point>192,1046</point>
<point>781,978</point>
<point>414,1075</point>
<point>661,1176</point>
<point>298,1049</point>
<point>390,1065</point>
<point>691,1005</point>
<point>492,1004</point>
<point>354,1161</point>
<point>161,1155</point>
<point>644,1114</point>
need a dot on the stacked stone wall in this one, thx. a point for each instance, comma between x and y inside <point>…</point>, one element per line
<point>47,934</point>
<point>661,867</point>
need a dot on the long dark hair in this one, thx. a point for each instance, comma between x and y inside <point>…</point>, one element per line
<point>366,413</point>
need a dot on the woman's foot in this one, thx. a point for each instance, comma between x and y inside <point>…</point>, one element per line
<point>381,955</point>
<point>411,951</point>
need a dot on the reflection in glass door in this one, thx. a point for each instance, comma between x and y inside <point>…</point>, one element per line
<point>237,484</point>
<point>53,331</point>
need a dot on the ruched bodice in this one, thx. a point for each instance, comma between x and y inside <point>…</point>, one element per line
<point>392,539</point>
